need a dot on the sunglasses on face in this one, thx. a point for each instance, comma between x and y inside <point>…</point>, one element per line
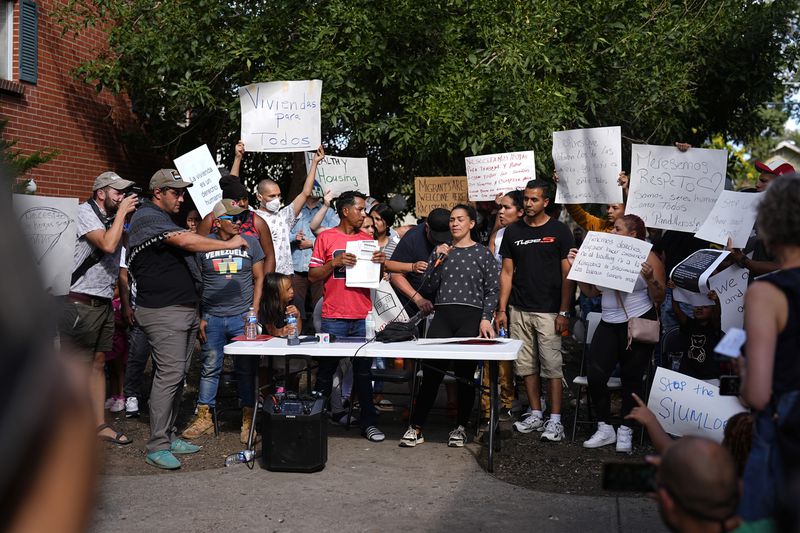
<point>235,219</point>
<point>177,192</point>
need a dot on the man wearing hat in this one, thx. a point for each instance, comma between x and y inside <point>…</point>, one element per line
<point>232,283</point>
<point>163,265</point>
<point>777,167</point>
<point>87,321</point>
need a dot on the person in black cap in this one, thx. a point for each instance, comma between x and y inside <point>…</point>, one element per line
<point>167,277</point>
<point>86,324</point>
<point>410,260</point>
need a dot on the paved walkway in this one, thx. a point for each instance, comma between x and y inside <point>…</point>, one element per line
<point>364,487</point>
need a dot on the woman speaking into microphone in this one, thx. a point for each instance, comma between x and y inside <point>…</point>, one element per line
<point>465,277</point>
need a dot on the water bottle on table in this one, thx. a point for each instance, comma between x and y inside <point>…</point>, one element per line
<point>291,330</point>
<point>244,456</point>
<point>251,325</point>
<point>369,327</point>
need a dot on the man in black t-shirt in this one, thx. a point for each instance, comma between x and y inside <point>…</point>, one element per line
<point>533,281</point>
<point>163,264</point>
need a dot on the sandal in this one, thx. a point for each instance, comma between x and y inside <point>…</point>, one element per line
<point>373,434</point>
<point>116,439</point>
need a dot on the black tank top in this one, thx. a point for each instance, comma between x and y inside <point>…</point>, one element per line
<point>786,375</point>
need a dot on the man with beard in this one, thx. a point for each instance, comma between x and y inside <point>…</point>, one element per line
<point>87,320</point>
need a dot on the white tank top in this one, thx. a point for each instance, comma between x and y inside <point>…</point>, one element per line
<point>498,240</point>
<point>636,303</point>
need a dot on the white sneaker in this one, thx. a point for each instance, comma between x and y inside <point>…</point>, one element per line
<point>604,435</point>
<point>118,405</point>
<point>457,437</point>
<point>411,438</point>
<point>553,431</point>
<point>131,407</point>
<point>624,440</point>
<point>529,423</point>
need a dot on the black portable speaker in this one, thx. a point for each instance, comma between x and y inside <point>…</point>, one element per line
<point>295,436</point>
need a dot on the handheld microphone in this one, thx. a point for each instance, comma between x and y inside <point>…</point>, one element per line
<point>440,258</point>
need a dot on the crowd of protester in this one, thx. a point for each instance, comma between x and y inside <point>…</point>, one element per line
<point>148,285</point>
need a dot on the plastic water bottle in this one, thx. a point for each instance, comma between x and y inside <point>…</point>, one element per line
<point>291,335</point>
<point>369,327</point>
<point>251,325</point>
<point>244,456</point>
<point>502,333</point>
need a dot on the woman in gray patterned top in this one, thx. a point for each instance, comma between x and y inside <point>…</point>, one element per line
<point>466,280</point>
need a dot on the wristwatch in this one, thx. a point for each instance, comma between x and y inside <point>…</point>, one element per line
<point>565,314</point>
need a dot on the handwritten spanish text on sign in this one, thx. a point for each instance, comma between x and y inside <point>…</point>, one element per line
<point>199,168</point>
<point>445,192</point>
<point>670,189</point>
<point>488,175</point>
<point>340,174</point>
<point>730,286</point>
<point>684,405</point>
<point>588,162</point>
<point>733,215</point>
<point>49,226</point>
<point>281,116</point>
<point>611,261</point>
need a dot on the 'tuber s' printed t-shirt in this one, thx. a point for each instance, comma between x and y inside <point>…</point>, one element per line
<point>339,300</point>
<point>228,278</point>
<point>537,253</point>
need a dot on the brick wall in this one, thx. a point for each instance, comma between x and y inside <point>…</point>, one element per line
<point>63,113</point>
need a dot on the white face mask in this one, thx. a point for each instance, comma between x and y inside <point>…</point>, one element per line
<point>273,205</point>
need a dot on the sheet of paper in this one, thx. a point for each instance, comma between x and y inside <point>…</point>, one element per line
<point>684,405</point>
<point>676,190</point>
<point>364,273</point>
<point>611,261</point>
<point>730,286</point>
<point>693,272</point>
<point>695,299</point>
<point>588,162</point>
<point>732,216</point>
<point>488,175</point>
<point>386,306</point>
<point>731,344</point>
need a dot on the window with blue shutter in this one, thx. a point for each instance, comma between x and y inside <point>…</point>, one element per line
<point>28,41</point>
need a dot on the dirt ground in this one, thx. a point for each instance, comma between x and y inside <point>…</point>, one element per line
<point>523,460</point>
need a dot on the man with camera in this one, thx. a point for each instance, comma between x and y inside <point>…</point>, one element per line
<point>87,321</point>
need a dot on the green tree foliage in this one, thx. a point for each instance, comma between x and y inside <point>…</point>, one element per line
<point>417,85</point>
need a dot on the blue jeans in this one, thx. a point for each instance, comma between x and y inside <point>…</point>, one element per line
<point>362,375</point>
<point>668,318</point>
<point>763,479</point>
<point>219,331</point>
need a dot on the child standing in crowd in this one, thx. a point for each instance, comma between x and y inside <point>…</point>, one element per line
<point>703,332</point>
<point>117,357</point>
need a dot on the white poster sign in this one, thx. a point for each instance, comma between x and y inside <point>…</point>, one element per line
<point>670,189</point>
<point>732,216</point>
<point>340,174</point>
<point>50,226</point>
<point>730,286</point>
<point>611,261</point>
<point>386,306</point>
<point>281,116</point>
<point>199,168</point>
<point>588,163</point>
<point>684,405</point>
<point>489,175</point>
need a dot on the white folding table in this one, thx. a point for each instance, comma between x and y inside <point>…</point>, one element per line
<point>501,351</point>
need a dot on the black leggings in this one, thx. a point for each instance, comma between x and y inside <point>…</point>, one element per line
<point>607,349</point>
<point>449,321</point>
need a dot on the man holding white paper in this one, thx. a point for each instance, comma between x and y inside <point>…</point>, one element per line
<point>344,307</point>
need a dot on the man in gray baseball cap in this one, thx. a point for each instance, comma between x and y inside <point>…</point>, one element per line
<point>111,179</point>
<point>168,178</point>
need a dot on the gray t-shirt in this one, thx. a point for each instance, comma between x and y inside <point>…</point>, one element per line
<point>100,279</point>
<point>228,278</point>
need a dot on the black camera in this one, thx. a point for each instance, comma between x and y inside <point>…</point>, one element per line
<point>138,191</point>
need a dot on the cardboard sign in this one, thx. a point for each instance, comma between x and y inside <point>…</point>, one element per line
<point>281,116</point>
<point>489,175</point>
<point>49,224</point>
<point>445,192</point>
<point>684,405</point>
<point>730,286</point>
<point>588,163</point>
<point>732,216</point>
<point>386,306</point>
<point>340,174</point>
<point>199,168</point>
<point>611,261</point>
<point>675,190</point>
<point>693,272</point>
